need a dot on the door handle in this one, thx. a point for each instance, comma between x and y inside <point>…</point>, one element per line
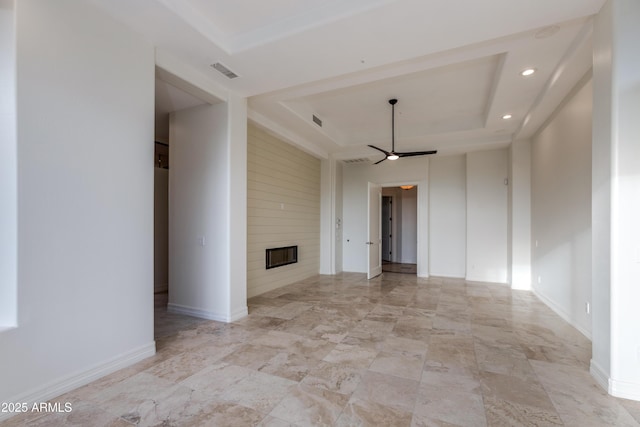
<point>369,243</point>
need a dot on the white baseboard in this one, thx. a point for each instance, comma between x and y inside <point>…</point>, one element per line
<point>78,379</point>
<point>625,390</point>
<point>239,314</point>
<point>445,276</point>
<point>616,388</point>
<point>471,278</point>
<point>601,377</point>
<point>560,312</point>
<point>206,314</point>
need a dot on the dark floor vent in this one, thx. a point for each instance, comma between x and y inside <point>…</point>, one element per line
<point>277,257</point>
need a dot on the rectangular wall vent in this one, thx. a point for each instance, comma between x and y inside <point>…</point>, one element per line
<point>352,161</point>
<point>277,257</point>
<point>317,121</point>
<point>224,70</point>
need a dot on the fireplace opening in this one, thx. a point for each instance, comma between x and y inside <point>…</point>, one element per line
<point>277,257</point>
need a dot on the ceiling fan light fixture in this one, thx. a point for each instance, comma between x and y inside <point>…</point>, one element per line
<point>393,157</point>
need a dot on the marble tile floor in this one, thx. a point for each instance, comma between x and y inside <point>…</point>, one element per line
<point>343,351</point>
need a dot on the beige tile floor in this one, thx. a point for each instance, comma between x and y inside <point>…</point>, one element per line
<point>344,351</point>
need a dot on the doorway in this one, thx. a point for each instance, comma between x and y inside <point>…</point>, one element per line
<point>168,99</point>
<point>400,217</point>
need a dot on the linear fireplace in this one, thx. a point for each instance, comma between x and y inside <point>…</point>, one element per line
<point>277,257</point>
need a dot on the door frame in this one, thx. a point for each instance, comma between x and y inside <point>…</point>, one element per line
<point>422,201</point>
<point>390,221</point>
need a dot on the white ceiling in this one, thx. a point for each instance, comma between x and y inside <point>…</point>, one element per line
<point>169,99</point>
<point>453,65</point>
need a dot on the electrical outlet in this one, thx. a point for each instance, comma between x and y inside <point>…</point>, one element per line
<point>587,307</point>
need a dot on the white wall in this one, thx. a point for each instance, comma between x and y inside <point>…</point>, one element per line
<point>561,209</point>
<point>601,192</point>
<point>626,208</point>
<point>519,239</point>
<point>389,173</point>
<point>8,168</point>
<point>161,230</point>
<point>236,207</point>
<point>487,216</point>
<point>198,190</point>
<point>409,229</point>
<point>338,221</point>
<point>330,217</point>
<point>283,210</point>
<point>85,173</point>
<point>616,199</point>
<point>448,216</point>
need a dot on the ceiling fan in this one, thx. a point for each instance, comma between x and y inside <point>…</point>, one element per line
<point>393,154</point>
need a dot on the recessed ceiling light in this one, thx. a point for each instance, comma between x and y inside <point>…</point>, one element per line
<point>507,116</point>
<point>527,72</point>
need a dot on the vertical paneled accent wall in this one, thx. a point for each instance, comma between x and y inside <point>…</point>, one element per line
<point>283,209</point>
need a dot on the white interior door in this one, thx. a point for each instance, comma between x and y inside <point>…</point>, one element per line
<point>374,244</point>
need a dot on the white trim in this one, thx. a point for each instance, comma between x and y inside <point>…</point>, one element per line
<point>599,375</point>
<point>239,314</point>
<point>233,43</point>
<point>181,75</point>
<point>483,280</point>
<point>280,132</point>
<point>445,276</point>
<point>206,314</point>
<point>78,379</point>
<point>560,312</point>
<point>624,389</point>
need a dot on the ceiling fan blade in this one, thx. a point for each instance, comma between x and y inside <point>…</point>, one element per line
<point>386,153</point>
<point>380,161</point>
<point>416,153</point>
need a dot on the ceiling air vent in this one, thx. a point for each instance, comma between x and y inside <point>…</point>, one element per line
<point>224,70</point>
<point>317,121</point>
<point>354,161</point>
